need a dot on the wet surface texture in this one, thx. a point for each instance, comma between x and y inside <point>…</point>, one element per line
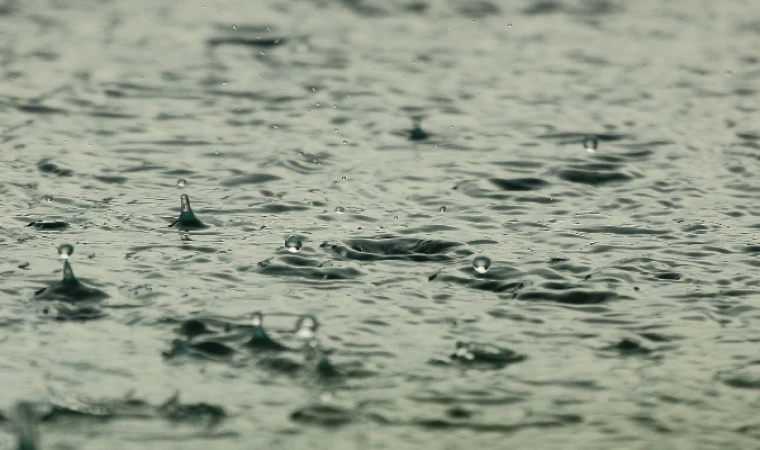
<point>529,224</point>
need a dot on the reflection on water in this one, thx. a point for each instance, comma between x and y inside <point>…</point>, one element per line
<point>528,225</point>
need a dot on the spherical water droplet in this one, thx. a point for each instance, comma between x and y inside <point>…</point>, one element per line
<point>590,143</point>
<point>340,209</point>
<point>257,319</point>
<point>344,178</point>
<point>65,250</point>
<point>306,327</point>
<point>234,27</point>
<point>345,142</point>
<point>481,264</point>
<point>395,217</point>
<point>181,182</point>
<point>335,130</point>
<point>293,244</point>
<point>442,209</point>
<point>509,25</point>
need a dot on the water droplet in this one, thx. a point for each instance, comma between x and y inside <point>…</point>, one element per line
<point>481,264</point>
<point>306,327</point>
<point>317,104</point>
<point>65,251</point>
<point>344,178</point>
<point>395,217</point>
<point>234,27</point>
<point>345,142</point>
<point>590,143</point>
<point>48,198</point>
<point>293,244</point>
<point>509,25</point>
<point>181,182</point>
<point>335,130</point>
<point>257,319</point>
<point>473,20</point>
<point>340,209</point>
<point>442,209</point>
<point>263,54</point>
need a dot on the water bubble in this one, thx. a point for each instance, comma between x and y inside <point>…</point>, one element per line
<point>481,264</point>
<point>442,209</point>
<point>340,209</point>
<point>293,244</point>
<point>181,182</point>
<point>65,251</point>
<point>590,143</point>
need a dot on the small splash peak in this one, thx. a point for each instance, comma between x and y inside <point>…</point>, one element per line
<point>65,251</point>
<point>417,133</point>
<point>590,143</point>
<point>293,244</point>
<point>68,274</point>
<point>187,219</point>
<point>481,264</point>
<point>306,327</point>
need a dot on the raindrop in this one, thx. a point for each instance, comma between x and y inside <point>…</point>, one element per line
<point>590,143</point>
<point>65,250</point>
<point>340,209</point>
<point>293,244</point>
<point>335,130</point>
<point>481,264</point>
<point>181,182</point>
<point>306,327</point>
<point>395,217</point>
<point>344,178</point>
<point>234,27</point>
<point>442,209</point>
<point>509,25</point>
<point>345,142</point>
<point>48,198</point>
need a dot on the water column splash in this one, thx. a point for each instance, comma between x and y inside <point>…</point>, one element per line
<point>25,420</point>
<point>260,339</point>
<point>187,219</point>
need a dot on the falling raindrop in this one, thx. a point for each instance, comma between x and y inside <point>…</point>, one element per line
<point>345,142</point>
<point>481,264</point>
<point>590,143</point>
<point>344,178</point>
<point>340,209</point>
<point>65,251</point>
<point>442,209</point>
<point>293,244</point>
<point>181,182</point>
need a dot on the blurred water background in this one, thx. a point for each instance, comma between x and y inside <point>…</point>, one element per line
<point>527,224</point>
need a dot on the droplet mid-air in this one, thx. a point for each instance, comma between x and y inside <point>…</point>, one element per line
<point>442,209</point>
<point>306,327</point>
<point>181,182</point>
<point>340,209</point>
<point>65,251</point>
<point>481,264</point>
<point>293,244</point>
<point>590,143</point>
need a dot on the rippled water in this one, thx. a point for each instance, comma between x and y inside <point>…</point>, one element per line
<point>396,141</point>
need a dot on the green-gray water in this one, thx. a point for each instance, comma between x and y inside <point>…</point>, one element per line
<point>397,141</point>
